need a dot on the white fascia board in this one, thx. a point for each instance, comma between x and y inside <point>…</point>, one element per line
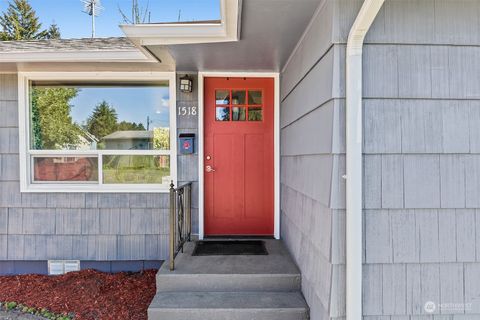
<point>187,33</point>
<point>174,30</point>
<point>76,56</point>
<point>153,41</point>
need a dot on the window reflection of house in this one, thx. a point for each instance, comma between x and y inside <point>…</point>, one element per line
<point>78,169</point>
<point>86,141</point>
<point>129,140</point>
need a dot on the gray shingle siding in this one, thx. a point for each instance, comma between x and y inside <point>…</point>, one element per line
<point>310,224</point>
<point>85,226</point>
<point>421,157</point>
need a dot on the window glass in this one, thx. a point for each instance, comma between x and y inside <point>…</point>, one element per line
<point>65,169</point>
<point>255,114</point>
<point>76,116</point>
<point>100,133</point>
<point>254,97</point>
<point>222,114</point>
<point>238,96</point>
<point>222,97</point>
<point>238,113</point>
<point>136,169</point>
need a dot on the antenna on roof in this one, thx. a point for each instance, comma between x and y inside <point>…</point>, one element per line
<point>93,8</point>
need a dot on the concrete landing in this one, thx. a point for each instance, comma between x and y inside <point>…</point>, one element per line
<point>230,287</point>
<point>273,272</point>
<point>278,260</point>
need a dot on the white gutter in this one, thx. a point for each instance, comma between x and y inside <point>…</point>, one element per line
<point>362,24</point>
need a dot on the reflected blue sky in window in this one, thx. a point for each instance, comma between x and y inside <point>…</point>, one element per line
<point>132,104</point>
<point>73,23</point>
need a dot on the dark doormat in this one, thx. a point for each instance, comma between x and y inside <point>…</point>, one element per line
<point>229,248</point>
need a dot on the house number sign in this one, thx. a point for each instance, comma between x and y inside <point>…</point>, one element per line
<point>187,111</point>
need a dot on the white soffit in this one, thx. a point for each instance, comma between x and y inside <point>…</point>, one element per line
<point>270,30</point>
<point>224,30</point>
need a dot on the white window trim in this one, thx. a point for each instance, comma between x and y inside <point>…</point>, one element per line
<point>24,134</point>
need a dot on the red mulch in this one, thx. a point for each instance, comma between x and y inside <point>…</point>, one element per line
<point>89,294</point>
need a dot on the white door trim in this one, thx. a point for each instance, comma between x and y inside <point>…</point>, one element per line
<point>276,143</point>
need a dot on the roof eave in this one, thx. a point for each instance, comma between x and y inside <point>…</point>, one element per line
<point>227,29</point>
<point>76,56</point>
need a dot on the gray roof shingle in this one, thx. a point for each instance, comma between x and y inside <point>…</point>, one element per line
<point>68,45</point>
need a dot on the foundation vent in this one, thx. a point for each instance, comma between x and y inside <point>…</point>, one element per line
<point>56,267</point>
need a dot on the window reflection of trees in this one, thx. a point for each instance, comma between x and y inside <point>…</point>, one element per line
<point>53,127</point>
<point>223,114</point>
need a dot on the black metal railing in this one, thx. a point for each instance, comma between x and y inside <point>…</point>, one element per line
<point>180,219</point>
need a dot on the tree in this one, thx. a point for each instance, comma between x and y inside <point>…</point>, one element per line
<point>130,126</point>
<point>139,15</point>
<point>20,22</point>
<point>37,143</point>
<point>53,32</point>
<point>161,138</point>
<point>52,125</point>
<point>103,120</point>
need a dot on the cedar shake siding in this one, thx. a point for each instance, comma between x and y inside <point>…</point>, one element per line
<point>421,157</point>
<point>421,160</point>
<point>312,190</point>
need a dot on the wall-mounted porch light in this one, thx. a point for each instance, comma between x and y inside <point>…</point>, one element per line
<point>186,84</point>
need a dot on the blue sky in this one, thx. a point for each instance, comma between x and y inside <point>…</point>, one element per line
<point>133,104</point>
<point>73,23</point>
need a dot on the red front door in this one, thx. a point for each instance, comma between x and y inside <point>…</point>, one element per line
<point>238,156</point>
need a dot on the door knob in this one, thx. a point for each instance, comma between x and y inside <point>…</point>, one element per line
<point>209,169</point>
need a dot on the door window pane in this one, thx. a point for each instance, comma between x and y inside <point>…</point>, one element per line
<point>255,114</point>
<point>254,97</point>
<point>65,169</point>
<point>222,97</point>
<point>136,169</point>
<point>238,96</point>
<point>238,113</point>
<point>222,114</point>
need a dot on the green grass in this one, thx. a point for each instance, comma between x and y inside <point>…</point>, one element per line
<point>133,175</point>
<point>136,169</point>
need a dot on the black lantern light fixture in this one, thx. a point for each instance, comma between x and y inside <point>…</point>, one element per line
<point>186,84</point>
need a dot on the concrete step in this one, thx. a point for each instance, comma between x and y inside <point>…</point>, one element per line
<point>228,306</point>
<point>228,282</point>
<point>273,272</point>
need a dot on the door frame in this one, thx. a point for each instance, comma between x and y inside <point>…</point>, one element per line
<point>276,143</point>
